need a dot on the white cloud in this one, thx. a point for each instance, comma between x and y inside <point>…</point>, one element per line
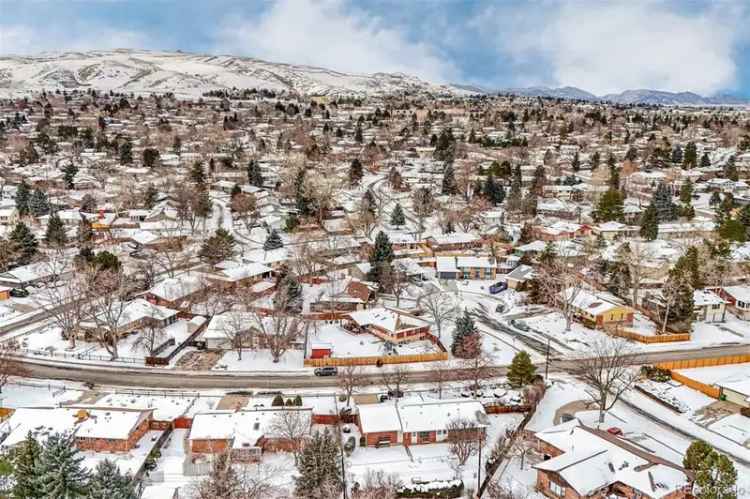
<point>328,33</point>
<point>22,39</point>
<point>607,47</point>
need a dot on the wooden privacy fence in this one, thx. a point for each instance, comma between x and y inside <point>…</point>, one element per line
<point>629,334</point>
<point>374,360</point>
<point>709,390</point>
<point>707,362</point>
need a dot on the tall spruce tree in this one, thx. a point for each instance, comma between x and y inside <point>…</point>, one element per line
<point>521,371</point>
<point>55,235</point>
<point>126,152</point>
<point>666,211</point>
<point>59,471</point>
<point>23,193</point>
<point>254,177</point>
<point>397,216</point>
<point>25,482</point>
<point>107,482</point>
<point>197,174</point>
<point>610,207</point>
<point>69,173</point>
<point>273,241</point>
<point>218,247</point>
<point>450,187</point>
<point>25,241</point>
<point>381,253</point>
<point>319,467</point>
<point>650,223</point>
<point>355,172</point>
<point>466,339</point>
<point>38,203</point>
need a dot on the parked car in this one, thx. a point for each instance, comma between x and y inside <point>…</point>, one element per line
<point>326,371</point>
<point>19,293</point>
<point>350,444</point>
<point>395,394</point>
<point>497,287</point>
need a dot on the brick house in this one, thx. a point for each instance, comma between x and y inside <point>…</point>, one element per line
<point>94,429</point>
<point>245,434</point>
<point>388,324</point>
<point>136,315</point>
<point>581,461</point>
<point>417,423</point>
<point>176,292</point>
<point>465,267</point>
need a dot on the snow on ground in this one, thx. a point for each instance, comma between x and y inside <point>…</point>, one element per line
<point>260,360</point>
<point>31,393</point>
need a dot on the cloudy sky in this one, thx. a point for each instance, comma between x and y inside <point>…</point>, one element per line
<point>598,45</point>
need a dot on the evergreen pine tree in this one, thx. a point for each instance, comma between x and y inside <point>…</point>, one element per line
<point>666,211</point>
<point>126,152</point>
<point>705,161</point>
<point>55,235</point>
<point>686,192</point>
<point>730,169</point>
<point>69,173</point>
<point>23,193</point>
<point>610,207</point>
<point>650,223</point>
<point>150,196</point>
<point>690,157</point>
<point>449,180</point>
<point>25,482</point>
<point>108,482</point>
<point>254,177</point>
<point>59,471</point>
<point>197,175</point>
<point>319,468</point>
<point>521,371</point>
<point>715,475</point>
<point>218,247</point>
<point>397,216</point>
<point>382,252</point>
<point>292,292</point>
<point>576,163</point>
<point>355,172</point>
<point>38,203</point>
<point>677,155</point>
<point>466,338</point>
<point>273,241</point>
<point>25,241</point>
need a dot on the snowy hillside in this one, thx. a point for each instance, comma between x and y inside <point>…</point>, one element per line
<point>191,74</point>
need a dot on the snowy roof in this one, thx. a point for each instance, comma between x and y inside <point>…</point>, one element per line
<point>385,318</point>
<point>704,297</point>
<point>174,288</point>
<point>593,459</point>
<point>453,263</point>
<point>587,301</point>
<point>244,427</point>
<point>245,271</point>
<point>419,416</point>
<point>454,238</point>
<point>739,293</point>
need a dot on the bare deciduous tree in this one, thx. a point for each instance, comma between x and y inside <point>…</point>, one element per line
<point>107,295</point>
<point>64,298</point>
<point>292,425</point>
<point>277,329</point>
<point>150,338</point>
<point>606,367</point>
<point>394,377</point>
<point>377,485</point>
<point>441,373</point>
<point>478,369</point>
<point>440,308</point>
<point>464,439</point>
<point>350,378</point>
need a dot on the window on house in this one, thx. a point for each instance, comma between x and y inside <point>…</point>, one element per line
<point>716,306</point>
<point>557,489</point>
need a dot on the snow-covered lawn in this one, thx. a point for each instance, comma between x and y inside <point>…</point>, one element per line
<point>260,360</point>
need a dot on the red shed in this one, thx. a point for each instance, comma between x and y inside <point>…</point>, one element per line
<point>320,350</point>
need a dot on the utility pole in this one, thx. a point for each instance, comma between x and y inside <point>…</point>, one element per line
<point>479,466</point>
<point>546,361</point>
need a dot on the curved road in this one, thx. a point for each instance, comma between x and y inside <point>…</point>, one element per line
<point>169,378</point>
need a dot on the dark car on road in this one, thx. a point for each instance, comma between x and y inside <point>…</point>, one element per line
<point>19,293</point>
<point>326,371</point>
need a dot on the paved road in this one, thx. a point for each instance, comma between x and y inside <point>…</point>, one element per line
<point>168,378</point>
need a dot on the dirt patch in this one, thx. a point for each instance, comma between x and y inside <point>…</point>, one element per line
<point>198,361</point>
<point>232,402</point>
<point>715,411</point>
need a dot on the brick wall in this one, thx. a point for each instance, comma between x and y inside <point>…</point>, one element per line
<point>208,446</point>
<point>374,438</point>
<point>114,445</point>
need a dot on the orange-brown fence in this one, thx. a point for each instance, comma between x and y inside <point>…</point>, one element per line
<point>645,338</point>
<point>707,362</point>
<point>709,390</point>
<point>374,360</point>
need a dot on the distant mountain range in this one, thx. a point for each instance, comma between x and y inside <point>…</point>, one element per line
<point>143,71</point>
<point>641,96</point>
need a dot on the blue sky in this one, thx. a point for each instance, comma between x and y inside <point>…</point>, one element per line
<point>598,45</point>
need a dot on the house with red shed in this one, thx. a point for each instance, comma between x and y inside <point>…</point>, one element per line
<point>417,423</point>
<point>389,324</point>
<point>585,462</point>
